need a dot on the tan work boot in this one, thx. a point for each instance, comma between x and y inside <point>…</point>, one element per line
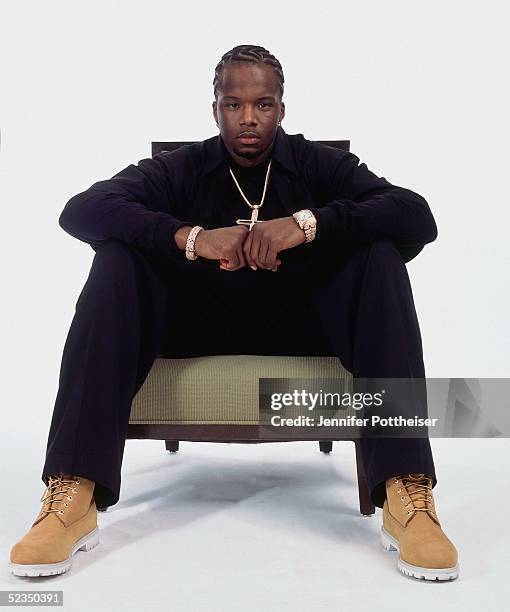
<point>411,526</point>
<point>66,523</point>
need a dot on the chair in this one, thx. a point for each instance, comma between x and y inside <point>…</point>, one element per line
<point>215,398</point>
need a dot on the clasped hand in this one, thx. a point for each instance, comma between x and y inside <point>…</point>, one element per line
<point>237,246</point>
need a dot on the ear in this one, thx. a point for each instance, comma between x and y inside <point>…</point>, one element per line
<point>282,112</point>
<point>215,111</point>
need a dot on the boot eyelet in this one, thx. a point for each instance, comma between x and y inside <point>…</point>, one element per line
<point>403,497</point>
<point>61,512</point>
<point>396,481</point>
<point>69,497</point>
<point>74,490</point>
<point>398,490</point>
<point>66,505</point>
<point>409,512</point>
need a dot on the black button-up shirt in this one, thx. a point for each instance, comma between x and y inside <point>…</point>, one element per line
<point>145,204</point>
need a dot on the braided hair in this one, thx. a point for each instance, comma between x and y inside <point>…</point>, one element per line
<point>247,53</point>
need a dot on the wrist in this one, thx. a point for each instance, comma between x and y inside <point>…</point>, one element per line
<point>191,253</point>
<point>198,240</point>
<point>181,236</point>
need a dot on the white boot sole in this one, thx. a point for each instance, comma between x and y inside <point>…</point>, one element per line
<point>87,542</point>
<point>422,573</point>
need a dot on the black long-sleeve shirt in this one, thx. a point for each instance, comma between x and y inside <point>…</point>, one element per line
<point>145,204</point>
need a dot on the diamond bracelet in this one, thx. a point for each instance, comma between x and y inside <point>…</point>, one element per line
<point>190,242</point>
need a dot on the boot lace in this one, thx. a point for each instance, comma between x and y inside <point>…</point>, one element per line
<point>58,492</point>
<point>419,492</point>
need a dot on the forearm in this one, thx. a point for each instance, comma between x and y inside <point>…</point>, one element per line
<point>134,206</point>
<point>358,207</point>
<point>400,215</point>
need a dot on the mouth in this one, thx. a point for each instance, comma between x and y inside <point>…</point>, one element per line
<point>248,138</point>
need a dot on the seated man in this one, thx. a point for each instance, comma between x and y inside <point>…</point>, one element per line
<point>253,229</point>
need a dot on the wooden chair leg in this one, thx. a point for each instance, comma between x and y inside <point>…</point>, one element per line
<point>325,446</point>
<point>366,506</point>
<point>172,445</point>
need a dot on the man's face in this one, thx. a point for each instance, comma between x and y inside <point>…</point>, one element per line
<point>249,101</point>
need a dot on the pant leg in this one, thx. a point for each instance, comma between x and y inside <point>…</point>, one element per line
<point>135,307</point>
<point>130,306</point>
<point>361,309</point>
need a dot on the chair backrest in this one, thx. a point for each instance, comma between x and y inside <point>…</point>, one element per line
<point>159,147</point>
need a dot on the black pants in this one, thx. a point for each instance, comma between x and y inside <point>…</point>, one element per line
<point>135,307</point>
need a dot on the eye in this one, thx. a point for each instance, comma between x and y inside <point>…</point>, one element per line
<point>264,104</point>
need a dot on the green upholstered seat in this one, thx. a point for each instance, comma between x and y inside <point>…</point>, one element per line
<point>220,389</point>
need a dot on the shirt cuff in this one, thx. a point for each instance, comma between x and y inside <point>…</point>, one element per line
<point>325,226</point>
<point>164,237</point>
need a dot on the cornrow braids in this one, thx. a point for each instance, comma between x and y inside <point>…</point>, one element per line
<point>247,53</point>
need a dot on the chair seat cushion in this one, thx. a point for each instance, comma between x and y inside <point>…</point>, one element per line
<point>220,389</point>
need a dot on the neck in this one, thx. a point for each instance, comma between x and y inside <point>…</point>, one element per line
<point>253,168</point>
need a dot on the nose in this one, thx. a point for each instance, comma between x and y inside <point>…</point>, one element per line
<point>248,115</point>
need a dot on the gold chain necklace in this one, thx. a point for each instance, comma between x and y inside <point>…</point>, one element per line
<point>255,207</point>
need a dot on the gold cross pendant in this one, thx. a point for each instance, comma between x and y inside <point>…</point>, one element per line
<point>251,222</point>
<point>248,222</point>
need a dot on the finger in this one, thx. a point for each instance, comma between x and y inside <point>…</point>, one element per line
<point>247,251</point>
<point>271,257</point>
<point>229,269</point>
<point>228,266</point>
<point>276,264</point>
<point>263,250</point>
<point>233,261</point>
<point>254,250</point>
<point>240,256</point>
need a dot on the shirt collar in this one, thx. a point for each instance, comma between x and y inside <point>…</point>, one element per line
<point>216,152</point>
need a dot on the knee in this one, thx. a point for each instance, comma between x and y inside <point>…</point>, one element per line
<point>115,260</point>
<point>384,246</point>
<point>380,250</point>
<point>380,257</point>
<point>113,248</point>
<point>385,253</point>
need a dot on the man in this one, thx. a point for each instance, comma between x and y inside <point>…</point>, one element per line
<point>252,230</point>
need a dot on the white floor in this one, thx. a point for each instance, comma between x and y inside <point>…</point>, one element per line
<point>221,527</point>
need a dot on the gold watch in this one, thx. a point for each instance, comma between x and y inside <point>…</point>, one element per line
<point>307,222</point>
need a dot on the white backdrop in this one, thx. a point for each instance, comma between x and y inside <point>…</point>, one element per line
<point>420,89</point>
